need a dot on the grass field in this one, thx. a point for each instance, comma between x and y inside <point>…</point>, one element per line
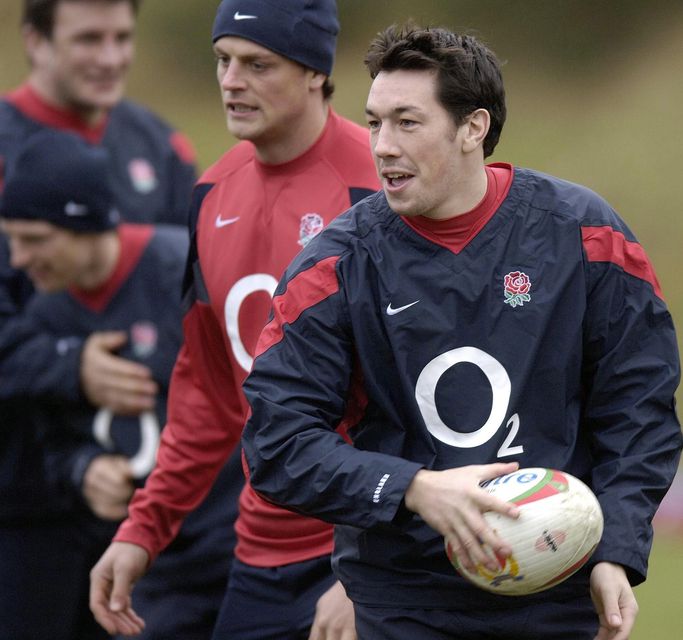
<point>661,607</point>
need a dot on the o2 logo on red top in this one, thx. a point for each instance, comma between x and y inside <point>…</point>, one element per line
<point>239,292</point>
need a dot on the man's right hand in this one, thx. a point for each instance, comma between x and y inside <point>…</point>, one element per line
<point>453,503</point>
<point>111,586</point>
<point>108,486</point>
<point>109,381</point>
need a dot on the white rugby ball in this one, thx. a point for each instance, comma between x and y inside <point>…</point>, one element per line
<point>559,526</point>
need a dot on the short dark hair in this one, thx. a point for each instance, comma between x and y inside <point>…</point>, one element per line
<point>40,14</point>
<point>328,89</point>
<point>468,72</point>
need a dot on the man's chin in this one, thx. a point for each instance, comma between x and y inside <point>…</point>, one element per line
<point>399,206</point>
<point>239,130</point>
<point>46,283</point>
<point>44,287</point>
<point>97,102</point>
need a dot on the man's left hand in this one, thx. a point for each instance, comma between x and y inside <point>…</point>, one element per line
<point>614,601</point>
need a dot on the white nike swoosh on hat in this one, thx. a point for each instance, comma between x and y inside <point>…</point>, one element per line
<point>224,222</point>
<point>243,16</point>
<point>73,209</point>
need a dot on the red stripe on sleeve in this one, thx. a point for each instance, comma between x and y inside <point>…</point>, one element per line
<point>305,290</point>
<point>183,147</point>
<point>356,403</point>
<point>604,244</point>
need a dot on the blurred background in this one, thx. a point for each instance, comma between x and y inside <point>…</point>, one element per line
<point>595,95</point>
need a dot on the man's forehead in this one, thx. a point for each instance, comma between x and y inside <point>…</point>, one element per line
<point>401,90</point>
<point>236,46</point>
<point>27,227</point>
<point>83,15</point>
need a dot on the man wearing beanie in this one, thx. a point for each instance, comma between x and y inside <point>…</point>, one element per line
<point>297,167</point>
<point>76,465</point>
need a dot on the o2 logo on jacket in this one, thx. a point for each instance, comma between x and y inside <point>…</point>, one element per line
<point>425,395</point>
<point>142,463</point>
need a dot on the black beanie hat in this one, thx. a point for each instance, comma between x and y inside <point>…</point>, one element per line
<point>302,30</point>
<point>59,178</point>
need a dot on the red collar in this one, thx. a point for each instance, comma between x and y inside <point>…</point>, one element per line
<point>456,232</point>
<point>134,240</point>
<point>27,100</point>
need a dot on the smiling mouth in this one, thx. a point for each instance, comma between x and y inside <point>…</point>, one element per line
<point>36,276</point>
<point>105,79</point>
<point>397,179</point>
<point>240,108</point>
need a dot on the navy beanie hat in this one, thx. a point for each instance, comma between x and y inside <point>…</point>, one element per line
<point>59,178</point>
<point>302,30</point>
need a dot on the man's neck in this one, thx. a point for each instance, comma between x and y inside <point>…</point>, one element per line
<point>91,116</point>
<point>471,190</point>
<point>300,137</point>
<point>106,250</point>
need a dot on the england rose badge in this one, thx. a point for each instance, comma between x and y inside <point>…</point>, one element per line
<point>517,286</point>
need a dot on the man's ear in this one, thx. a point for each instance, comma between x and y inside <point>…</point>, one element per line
<point>478,123</point>
<point>317,79</point>
<point>36,45</point>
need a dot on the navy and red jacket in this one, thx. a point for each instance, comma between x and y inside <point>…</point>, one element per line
<point>545,341</point>
<point>152,165</point>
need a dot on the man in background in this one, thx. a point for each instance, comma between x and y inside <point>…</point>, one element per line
<point>79,54</point>
<point>298,165</point>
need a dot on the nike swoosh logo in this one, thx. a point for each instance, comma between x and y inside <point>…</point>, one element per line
<point>73,209</point>
<point>243,16</point>
<point>224,222</point>
<point>392,312</point>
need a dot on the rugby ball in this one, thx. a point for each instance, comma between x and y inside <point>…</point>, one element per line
<point>559,526</point>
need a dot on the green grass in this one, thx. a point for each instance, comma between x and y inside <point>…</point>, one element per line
<point>659,598</point>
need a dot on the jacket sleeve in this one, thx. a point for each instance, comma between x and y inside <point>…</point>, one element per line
<point>67,458</point>
<point>203,425</point>
<point>631,372</point>
<point>298,391</point>
<point>199,436</point>
<point>183,175</point>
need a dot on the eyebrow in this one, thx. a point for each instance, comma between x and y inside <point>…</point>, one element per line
<point>397,111</point>
<point>246,57</point>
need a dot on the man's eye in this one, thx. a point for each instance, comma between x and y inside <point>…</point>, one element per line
<point>89,38</point>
